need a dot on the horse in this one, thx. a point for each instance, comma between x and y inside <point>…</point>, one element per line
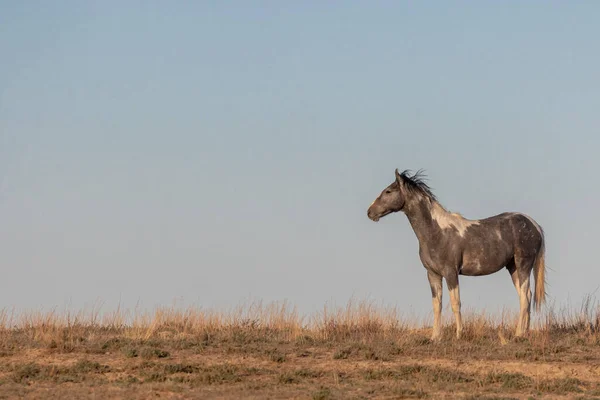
<point>451,245</point>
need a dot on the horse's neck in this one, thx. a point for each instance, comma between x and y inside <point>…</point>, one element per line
<point>424,215</point>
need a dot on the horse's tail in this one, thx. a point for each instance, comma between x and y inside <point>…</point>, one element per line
<point>539,274</point>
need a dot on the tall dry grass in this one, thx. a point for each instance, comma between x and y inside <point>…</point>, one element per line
<point>360,320</point>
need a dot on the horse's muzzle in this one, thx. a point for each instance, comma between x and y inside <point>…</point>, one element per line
<point>372,217</point>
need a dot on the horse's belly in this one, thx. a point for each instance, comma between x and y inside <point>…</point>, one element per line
<point>485,259</point>
<point>477,269</point>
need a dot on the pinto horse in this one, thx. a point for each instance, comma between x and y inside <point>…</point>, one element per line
<point>451,245</point>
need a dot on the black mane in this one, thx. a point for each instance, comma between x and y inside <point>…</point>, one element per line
<point>416,183</point>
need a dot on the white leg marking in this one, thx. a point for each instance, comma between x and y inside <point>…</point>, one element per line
<point>435,281</point>
<point>455,300</point>
<point>525,301</point>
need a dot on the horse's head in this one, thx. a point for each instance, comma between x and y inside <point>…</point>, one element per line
<point>391,199</point>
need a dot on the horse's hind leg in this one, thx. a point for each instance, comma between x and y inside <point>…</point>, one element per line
<point>520,271</point>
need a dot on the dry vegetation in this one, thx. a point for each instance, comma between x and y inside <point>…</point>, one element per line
<point>359,351</point>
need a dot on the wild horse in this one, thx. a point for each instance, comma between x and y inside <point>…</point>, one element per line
<point>451,245</point>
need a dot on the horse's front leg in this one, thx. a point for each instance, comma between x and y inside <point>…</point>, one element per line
<point>435,281</point>
<point>452,282</point>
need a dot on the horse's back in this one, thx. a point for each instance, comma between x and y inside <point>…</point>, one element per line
<point>525,233</point>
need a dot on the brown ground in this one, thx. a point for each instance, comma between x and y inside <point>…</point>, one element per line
<point>353,358</point>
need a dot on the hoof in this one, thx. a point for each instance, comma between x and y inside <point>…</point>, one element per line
<point>521,334</point>
<point>436,338</point>
<point>521,339</point>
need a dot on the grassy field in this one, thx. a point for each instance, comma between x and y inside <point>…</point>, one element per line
<point>355,352</point>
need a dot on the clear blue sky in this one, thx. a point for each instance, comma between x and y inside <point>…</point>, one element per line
<point>212,152</point>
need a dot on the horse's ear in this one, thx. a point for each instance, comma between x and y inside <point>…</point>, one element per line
<point>399,178</point>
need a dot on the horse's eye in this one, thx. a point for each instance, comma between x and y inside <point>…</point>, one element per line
<point>388,191</point>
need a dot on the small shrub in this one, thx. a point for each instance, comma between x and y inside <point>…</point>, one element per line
<point>561,386</point>
<point>287,378</point>
<point>508,380</point>
<point>115,344</point>
<point>130,352</point>
<point>277,357</point>
<point>151,352</point>
<point>156,377</point>
<point>27,371</point>
<point>376,375</point>
<point>180,368</point>
<point>86,366</point>
<point>343,354</point>
<point>411,393</point>
<point>217,374</point>
<point>308,373</point>
<point>305,339</point>
<point>324,393</point>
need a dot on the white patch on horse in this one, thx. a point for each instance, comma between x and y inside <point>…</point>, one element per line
<point>447,219</point>
<point>499,234</point>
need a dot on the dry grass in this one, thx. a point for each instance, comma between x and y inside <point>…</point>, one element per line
<point>270,351</point>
